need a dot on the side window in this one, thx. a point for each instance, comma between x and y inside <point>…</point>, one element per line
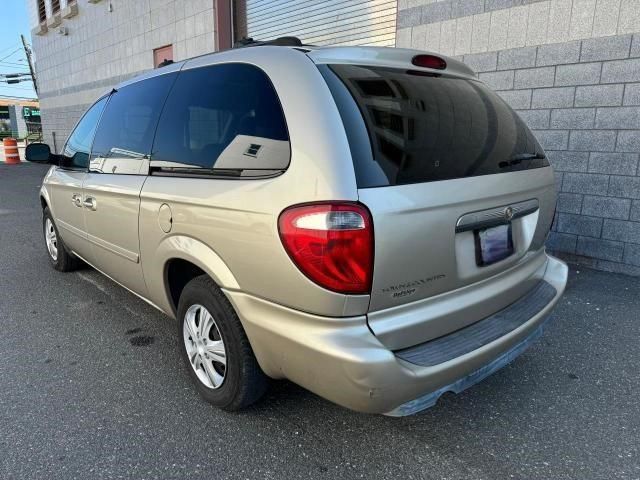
<point>223,117</point>
<point>124,136</point>
<point>78,145</point>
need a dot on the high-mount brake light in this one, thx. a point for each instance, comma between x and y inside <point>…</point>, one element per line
<point>429,61</point>
<point>331,243</point>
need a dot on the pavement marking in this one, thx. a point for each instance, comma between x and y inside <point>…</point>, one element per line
<point>93,282</point>
<point>104,290</point>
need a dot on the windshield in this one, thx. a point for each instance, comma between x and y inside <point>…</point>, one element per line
<point>424,127</point>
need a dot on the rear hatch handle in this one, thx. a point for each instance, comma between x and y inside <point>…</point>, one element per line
<point>493,217</point>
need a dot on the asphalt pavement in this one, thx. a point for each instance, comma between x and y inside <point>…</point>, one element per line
<point>92,387</point>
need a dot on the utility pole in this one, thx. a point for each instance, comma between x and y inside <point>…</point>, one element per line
<point>27,52</point>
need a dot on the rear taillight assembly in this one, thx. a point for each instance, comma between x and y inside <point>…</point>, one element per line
<point>331,243</point>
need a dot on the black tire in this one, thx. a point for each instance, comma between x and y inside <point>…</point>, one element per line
<point>244,381</point>
<point>65,261</point>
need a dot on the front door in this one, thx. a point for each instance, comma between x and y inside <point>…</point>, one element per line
<point>65,187</point>
<point>65,183</point>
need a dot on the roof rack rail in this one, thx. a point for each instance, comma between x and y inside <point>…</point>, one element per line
<point>280,41</point>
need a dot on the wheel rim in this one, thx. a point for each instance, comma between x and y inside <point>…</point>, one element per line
<point>51,239</point>
<point>205,347</point>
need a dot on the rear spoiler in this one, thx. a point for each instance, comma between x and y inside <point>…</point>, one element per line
<point>387,57</point>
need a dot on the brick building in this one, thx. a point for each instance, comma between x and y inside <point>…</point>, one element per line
<point>571,68</point>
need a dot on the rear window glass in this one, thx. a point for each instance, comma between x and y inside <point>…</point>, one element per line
<point>427,127</point>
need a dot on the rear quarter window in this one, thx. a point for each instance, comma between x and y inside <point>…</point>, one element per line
<point>220,118</point>
<point>423,127</point>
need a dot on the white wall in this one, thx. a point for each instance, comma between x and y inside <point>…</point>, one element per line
<point>107,42</point>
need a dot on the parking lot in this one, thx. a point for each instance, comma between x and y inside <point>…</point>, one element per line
<point>91,386</point>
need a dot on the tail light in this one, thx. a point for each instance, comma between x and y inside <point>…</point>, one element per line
<point>429,61</point>
<point>331,243</point>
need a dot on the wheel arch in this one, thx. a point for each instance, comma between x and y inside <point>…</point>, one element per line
<point>177,273</point>
<point>45,201</point>
<point>183,258</point>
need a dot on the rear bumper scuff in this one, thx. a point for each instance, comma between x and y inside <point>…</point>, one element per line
<point>342,361</point>
<point>430,399</point>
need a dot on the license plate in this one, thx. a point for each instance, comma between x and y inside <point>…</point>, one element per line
<point>493,244</point>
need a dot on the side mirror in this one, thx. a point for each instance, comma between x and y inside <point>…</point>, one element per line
<point>39,153</point>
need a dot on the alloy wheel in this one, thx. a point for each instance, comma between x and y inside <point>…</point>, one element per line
<point>51,238</point>
<point>205,346</point>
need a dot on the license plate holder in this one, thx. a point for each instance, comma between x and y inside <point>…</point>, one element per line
<point>493,244</point>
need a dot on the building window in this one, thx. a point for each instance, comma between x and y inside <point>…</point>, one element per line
<point>42,12</point>
<point>162,56</point>
<point>55,6</point>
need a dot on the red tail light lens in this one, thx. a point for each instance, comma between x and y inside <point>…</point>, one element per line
<point>331,243</point>
<point>429,61</point>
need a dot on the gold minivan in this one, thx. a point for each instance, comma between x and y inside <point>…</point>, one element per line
<point>368,223</point>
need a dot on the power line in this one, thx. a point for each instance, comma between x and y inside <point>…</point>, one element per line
<point>12,65</point>
<point>9,95</point>
<point>6,84</point>
<point>11,54</point>
<point>12,97</point>
<point>9,48</point>
<point>17,88</point>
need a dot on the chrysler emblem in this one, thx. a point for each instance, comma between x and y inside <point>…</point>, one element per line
<point>508,214</point>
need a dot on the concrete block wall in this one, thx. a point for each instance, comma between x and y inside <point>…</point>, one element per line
<point>571,68</point>
<point>108,42</point>
<point>60,122</point>
<point>16,121</point>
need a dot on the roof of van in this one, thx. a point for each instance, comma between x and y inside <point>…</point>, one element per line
<point>384,56</point>
<point>357,55</point>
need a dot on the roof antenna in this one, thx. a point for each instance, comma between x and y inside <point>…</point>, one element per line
<point>280,41</point>
<point>164,63</point>
<point>243,42</point>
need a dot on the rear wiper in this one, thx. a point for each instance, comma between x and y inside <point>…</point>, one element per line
<point>527,156</point>
<point>516,159</point>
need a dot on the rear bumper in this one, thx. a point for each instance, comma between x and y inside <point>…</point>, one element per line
<point>341,360</point>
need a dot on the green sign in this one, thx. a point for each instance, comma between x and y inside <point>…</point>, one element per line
<point>30,112</point>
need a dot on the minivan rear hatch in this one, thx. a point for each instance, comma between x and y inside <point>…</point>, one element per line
<point>455,181</point>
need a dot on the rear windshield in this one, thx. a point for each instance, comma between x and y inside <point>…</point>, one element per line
<point>422,127</point>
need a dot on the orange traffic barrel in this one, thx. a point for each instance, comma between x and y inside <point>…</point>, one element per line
<point>11,155</point>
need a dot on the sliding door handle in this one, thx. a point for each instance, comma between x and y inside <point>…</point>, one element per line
<point>90,203</point>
